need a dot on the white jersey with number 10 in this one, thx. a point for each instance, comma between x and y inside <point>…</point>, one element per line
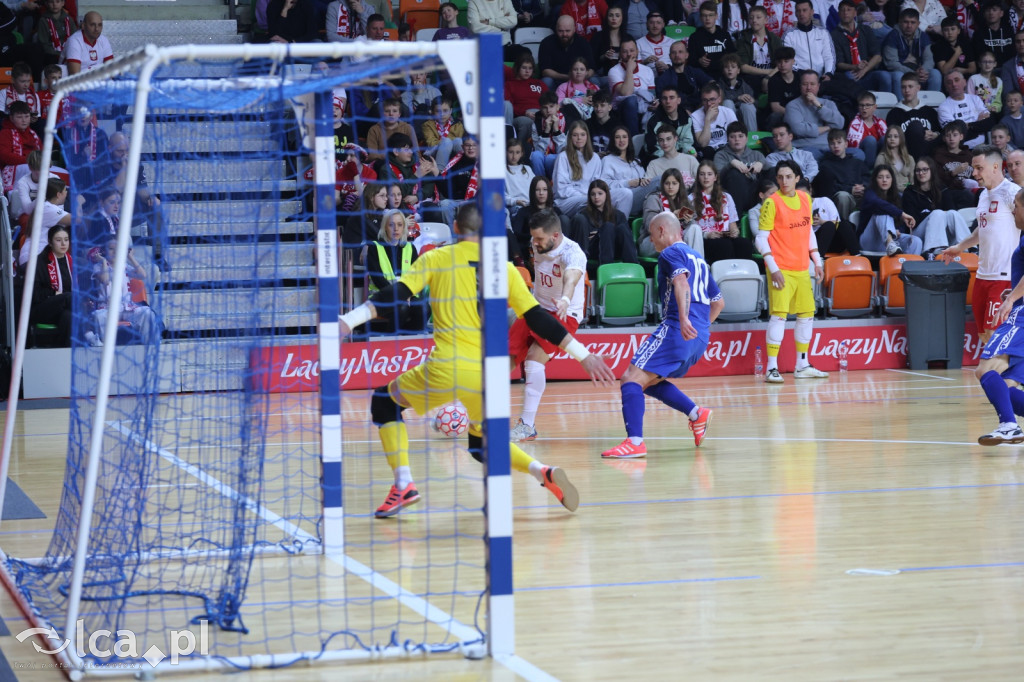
<point>549,269</point>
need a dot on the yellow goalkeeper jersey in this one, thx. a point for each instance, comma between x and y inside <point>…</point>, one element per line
<point>451,274</point>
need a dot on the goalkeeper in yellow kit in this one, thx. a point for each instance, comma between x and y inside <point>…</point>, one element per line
<point>455,367</point>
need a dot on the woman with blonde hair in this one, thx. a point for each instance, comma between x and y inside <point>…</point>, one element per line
<point>575,168</point>
<point>895,155</point>
<point>386,259</point>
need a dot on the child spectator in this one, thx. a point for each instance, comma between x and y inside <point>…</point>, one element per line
<point>884,226</point>
<point>669,115</point>
<point>143,320</point>
<point>548,135</point>
<point>718,218</point>
<point>619,168</point>
<point>671,196</point>
<point>739,167</point>
<point>602,122</point>
<point>1012,118</point>
<point>986,84</point>
<point>52,74</point>
<point>17,141</point>
<point>710,41</point>
<point>449,25</point>
<point>601,230</point>
<point>931,206</point>
<point>20,90</point>
<point>390,124</point>
<point>460,179</point>
<point>442,135</point>
<point>866,131</point>
<point>54,28</point>
<point>841,177</point>
<point>954,159</point>
<point>895,155</point>
<point>518,178</point>
<point>755,47</point>
<point>522,95</point>
<point>671,157</point>
<point>783,87</point>
<point>1000,137</point>
<point>575,168</point>
<point>737,93</point>
<point>953,51</point>
<point>420,97</point>
<point>765,188</point>
<point>576,94</point>
<point>26,189</point>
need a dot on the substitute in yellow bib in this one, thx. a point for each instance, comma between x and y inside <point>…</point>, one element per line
<point>454,369</point>
<point>786,240</point>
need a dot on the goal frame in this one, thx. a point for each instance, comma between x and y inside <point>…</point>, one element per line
<point>477,74</point>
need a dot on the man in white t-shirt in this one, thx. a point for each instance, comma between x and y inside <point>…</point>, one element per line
<point>87,48</point>
<point>654,47</point>
<point>631,97</point>
<point>996,236</point>
<point>558,285</point>
<point>710,121</point>
<point>53,214</point>
<point>963,106</point>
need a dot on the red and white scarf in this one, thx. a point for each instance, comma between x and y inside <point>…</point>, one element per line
<point>55,41</point>
<point>709,220</point>
<point>859,130</point>
<point>1020,75</point>
<point>474,182</point>
<point>92,140</point>
<point>400,178</point>
<point>965,19</point>
<point>665,204</point>
<point>552,147</point>
<point>1016,19</point>
<point>443,128</point>
<point>776,24</point>
<point>346,27</point>
<point>17,149</point>
<point>53,270</point>
<point>854,48</point>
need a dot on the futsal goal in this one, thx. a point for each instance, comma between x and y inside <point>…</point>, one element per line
<point>216,509</point>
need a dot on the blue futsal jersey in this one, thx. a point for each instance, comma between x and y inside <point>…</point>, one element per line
<point>675,260</point>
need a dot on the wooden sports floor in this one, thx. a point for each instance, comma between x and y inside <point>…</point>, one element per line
<point>841,529</point>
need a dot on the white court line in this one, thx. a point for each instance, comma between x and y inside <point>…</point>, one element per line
<point>524,669</point>
<point>920,374</point>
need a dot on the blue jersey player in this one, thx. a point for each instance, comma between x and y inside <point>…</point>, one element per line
<point>691,301</point>
<point>1001,371</point>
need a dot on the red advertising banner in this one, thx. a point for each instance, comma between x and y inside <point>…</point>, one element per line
<point>369,364</point>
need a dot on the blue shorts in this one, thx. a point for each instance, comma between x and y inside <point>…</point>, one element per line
<point>1008,340</point>
<point>666,353</point>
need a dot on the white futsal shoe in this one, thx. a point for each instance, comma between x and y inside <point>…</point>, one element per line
<point>1006,433</point>
<point>809,372</point>
<point>773,377</point>
<point>522,432</point>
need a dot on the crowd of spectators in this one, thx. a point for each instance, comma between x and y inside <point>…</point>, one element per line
<point>610,120</point>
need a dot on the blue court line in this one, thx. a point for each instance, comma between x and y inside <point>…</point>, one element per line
<point>639,583</point>
<point>774,495</point>
<point>1006,564</point>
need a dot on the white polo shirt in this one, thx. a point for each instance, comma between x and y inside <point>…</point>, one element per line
<point>78,49</point>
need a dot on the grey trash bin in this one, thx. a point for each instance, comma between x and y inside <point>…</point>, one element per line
<point>936,296</point>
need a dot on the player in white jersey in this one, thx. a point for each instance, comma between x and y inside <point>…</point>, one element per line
<point>558,264</point>
<point>996,236</point>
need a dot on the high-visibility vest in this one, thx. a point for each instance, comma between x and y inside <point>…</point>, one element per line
<point>385,263</point>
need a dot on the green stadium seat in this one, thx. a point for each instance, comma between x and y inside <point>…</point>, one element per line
<point>745,232</point>
<point>622,294</point>
<point>679,32</point>
<point>755,139</point>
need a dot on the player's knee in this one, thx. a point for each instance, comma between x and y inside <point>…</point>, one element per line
<point>383,408</point>
<point>476,447</point>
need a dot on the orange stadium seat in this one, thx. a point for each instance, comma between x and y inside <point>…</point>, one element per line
<point>420,14</point>
<point>969,261</point>
<point>890,286</point>
<point>849,286</point>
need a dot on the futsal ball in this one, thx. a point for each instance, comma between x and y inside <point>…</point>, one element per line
<point>451,420</point>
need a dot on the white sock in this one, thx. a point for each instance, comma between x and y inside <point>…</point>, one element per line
<point>636,441</point>
<point>536,382</point>
<point>802,333</point>
<point>773,336</point>
<point>403,477</point>
<point>537,470</point>
<point>773,362</point>
<point>694,413</point>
